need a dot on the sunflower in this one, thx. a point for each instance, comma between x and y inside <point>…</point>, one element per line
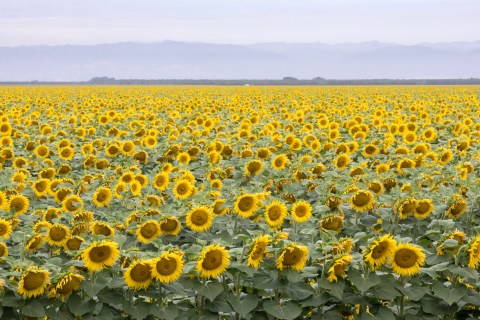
<point>5,228</point>
<point>3,251</point>
<point>57,234</point>
<point>424,208</point>
<point>275,213</point>
<point>168,267</point>
<point>456,235</point>
<point>138,275</point>
<point>361,200</point>
<point>254,167</point>
<point>474,253</point>
<point>406,208</point>
<point>183,189</point>
<point>19,204</point>
<point>332,222</point>
<point>184,158</point>
<point>301,211</point>
<point>33,283</point>
<point>376,187</point>
<point>293,257</point>
<point>102,228</point>
<point>148,231</point>
<point>100,255</point>
<point>379,251</point>
<point>128,148</point>
<point>259,248</point>
<point>341,162</point>
<point>199,219</point>
<point>279,162</point>
<point>246,205</point>
<point>42,151</point>
<point>136,188</point>
<point>41,187</point>
<point>337,270</point>
<point>170,226</point>
<point>406,259</point>
<point>73,243</point>
<point>333,202</point>
<point>72,203</point>
<point>456,209</point>
<point>66,153</point>
<point>34,243</point>
<point>67,285</point>
<point>213,261</point>
<point>102,197</point>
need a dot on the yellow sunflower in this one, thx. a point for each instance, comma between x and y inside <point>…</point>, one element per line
<point>138,275</point>
<point>337,270</point>
<point>170,226</point>
<point>456,209</point>
<point>332,222</point>
<point>3,251</point>
<point>254,167</point>
<point>246,205</point>
<point>72,203</point>
<point>406,259</point>
<point>377,254</point>
<point>259,248</point>
<point>33,283</point>
<point>213,261</point>
<point>100,255</point>
<point>102,228</point>
<point>168,267</point>
<point>34,243</point>
<point>293,257</point>
<point>341,162</point>
<point>275,213</point>
<point>424,208</point>
<point>41,187</point>
<point>183,189</point>
<point>73,243</point>
<point>301,211</point>
<point>199,219</point>
<point>361,200</point>
<point>5,228</point>
<point>19,204</point>
<point>474,253</point>
<point>57,234</point>
<point>67,285</point>
<point>148,231</point>
<point>279,162</point>
<point>102,197</point>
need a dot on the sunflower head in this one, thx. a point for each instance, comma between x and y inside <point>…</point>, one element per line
<point>362,200</point>
<point>259,248</point>
<point>246,205</point>
<point>377,254</point>
<point>170,226</point>
<point>213,261</point>
<point>168,267</point>
<point>100,255</point>
<point>138,275</point>
<point>199,219</point>
<point>148,231</point>
<point>293,257</point>
<point>33,283</point>
<point>406,259</point>
<point>301,211</point>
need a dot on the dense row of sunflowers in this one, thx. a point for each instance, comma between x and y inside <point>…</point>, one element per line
<point>229,202</point>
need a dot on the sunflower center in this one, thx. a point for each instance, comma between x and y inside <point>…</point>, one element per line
<point>258,251</point>
<point>74,244</point>
<point>17,204</point>
<point>199,217</point>
<point>423,207</point>
<point>168,225</point>
<point>300,211</point>
<point>278,162</point>
<point>99,254</point>
<point>245,204</point>
<point>148,230</point>
<point>166,266</point>
<point>292,256</point>
<point>57,233</point>
<point>182,189</point>
<point>379,250</point>
<point>405,258</point>
<point>141,272</point>
<point>274,213</point>
<point>33,280</point>
<point>212,260</point>
<point>3,229</point>
<point>361,199</point>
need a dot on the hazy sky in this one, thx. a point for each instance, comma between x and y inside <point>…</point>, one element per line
<point>27,22</point>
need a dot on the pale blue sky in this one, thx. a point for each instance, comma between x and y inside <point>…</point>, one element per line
<point>27,22</point>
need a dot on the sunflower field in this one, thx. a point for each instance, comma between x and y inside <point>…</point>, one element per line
<point>177,202</point>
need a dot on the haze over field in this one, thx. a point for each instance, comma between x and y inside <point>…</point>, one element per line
<point>185,60</point>
<point>55,40</point>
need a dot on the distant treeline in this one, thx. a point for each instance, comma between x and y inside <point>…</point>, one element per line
<point>266,82</point>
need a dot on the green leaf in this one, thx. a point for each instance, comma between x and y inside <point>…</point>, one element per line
<point>385,291</point>
<point>413,292</point>
<point>464,272</point>
<point>33,309</point>
<point>385,314</point>
<point>79,307</point>
<point>211,290</point>
<point>167,313</point>
<point>361,282</point>
<point>436,306</point>
<point>138,310</point>
<point>288,311</point>
<point>334,288</point>
<point>432,271</point>
<point>11,300</point>
<point>299,291</point>
<point>449,295</point>
<point>316,300</point>
<point>245,306</point>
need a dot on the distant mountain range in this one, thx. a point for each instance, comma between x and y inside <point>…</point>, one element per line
<point>191,60</point>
